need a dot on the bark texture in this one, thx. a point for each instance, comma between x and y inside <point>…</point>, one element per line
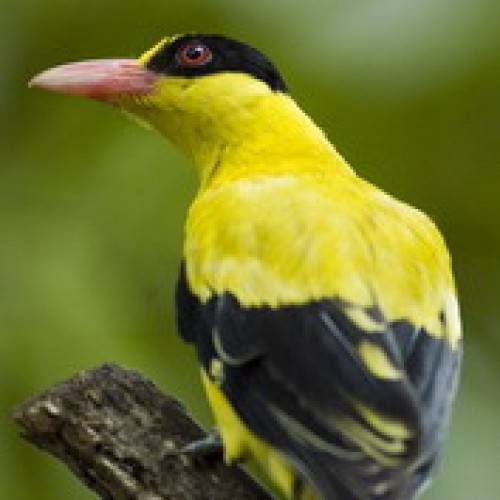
<point>121,436</point>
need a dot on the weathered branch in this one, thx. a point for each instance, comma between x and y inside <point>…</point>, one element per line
<point>120,435</point>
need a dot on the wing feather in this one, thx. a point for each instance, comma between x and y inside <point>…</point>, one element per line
<point>296,377</point>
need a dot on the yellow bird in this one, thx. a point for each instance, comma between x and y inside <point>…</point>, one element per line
<point>323,310</point>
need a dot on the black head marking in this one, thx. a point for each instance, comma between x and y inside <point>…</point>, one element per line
<point>199,55</point>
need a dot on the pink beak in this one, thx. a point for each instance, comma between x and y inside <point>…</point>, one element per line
<point>102,79</point>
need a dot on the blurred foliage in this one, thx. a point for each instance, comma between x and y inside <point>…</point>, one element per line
<point>92,207</point>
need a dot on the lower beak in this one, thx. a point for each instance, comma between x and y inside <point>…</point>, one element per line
<point>103,80</point>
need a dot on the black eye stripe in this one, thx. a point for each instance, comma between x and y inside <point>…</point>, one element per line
<point>198,55</point>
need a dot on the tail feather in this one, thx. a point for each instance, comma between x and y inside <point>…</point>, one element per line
<point>333,480</point>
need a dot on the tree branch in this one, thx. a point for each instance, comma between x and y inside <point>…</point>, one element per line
<point>120,435</point>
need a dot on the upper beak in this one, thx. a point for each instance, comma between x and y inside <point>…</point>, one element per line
<point>103,79</point>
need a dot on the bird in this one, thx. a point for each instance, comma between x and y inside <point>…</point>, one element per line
<point>323,310</point>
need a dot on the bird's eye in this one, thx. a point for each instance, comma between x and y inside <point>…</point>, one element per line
<point>194,54</point>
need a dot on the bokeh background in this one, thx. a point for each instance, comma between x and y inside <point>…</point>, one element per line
<point>92,207</point>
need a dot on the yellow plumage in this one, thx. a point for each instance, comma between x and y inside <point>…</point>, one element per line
<point>323,310</point>
<point>341,237</point>
<point>272,159</point>
<point>284,220</point>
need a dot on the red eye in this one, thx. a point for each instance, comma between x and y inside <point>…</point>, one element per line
<point>194,54</point>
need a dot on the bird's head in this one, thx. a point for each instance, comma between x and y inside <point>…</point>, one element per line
<point>198,90</point>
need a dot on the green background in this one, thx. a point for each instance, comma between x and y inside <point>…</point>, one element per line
<point>92,207</point>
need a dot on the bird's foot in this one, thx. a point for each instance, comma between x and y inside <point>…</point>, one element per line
<point>208,446</point>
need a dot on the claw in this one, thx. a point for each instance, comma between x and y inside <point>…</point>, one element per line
<point>210,444</point>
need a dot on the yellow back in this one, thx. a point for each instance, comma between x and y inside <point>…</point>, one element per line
<point>275,237</point>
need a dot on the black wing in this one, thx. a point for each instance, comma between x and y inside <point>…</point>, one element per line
<point>295,376</point>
